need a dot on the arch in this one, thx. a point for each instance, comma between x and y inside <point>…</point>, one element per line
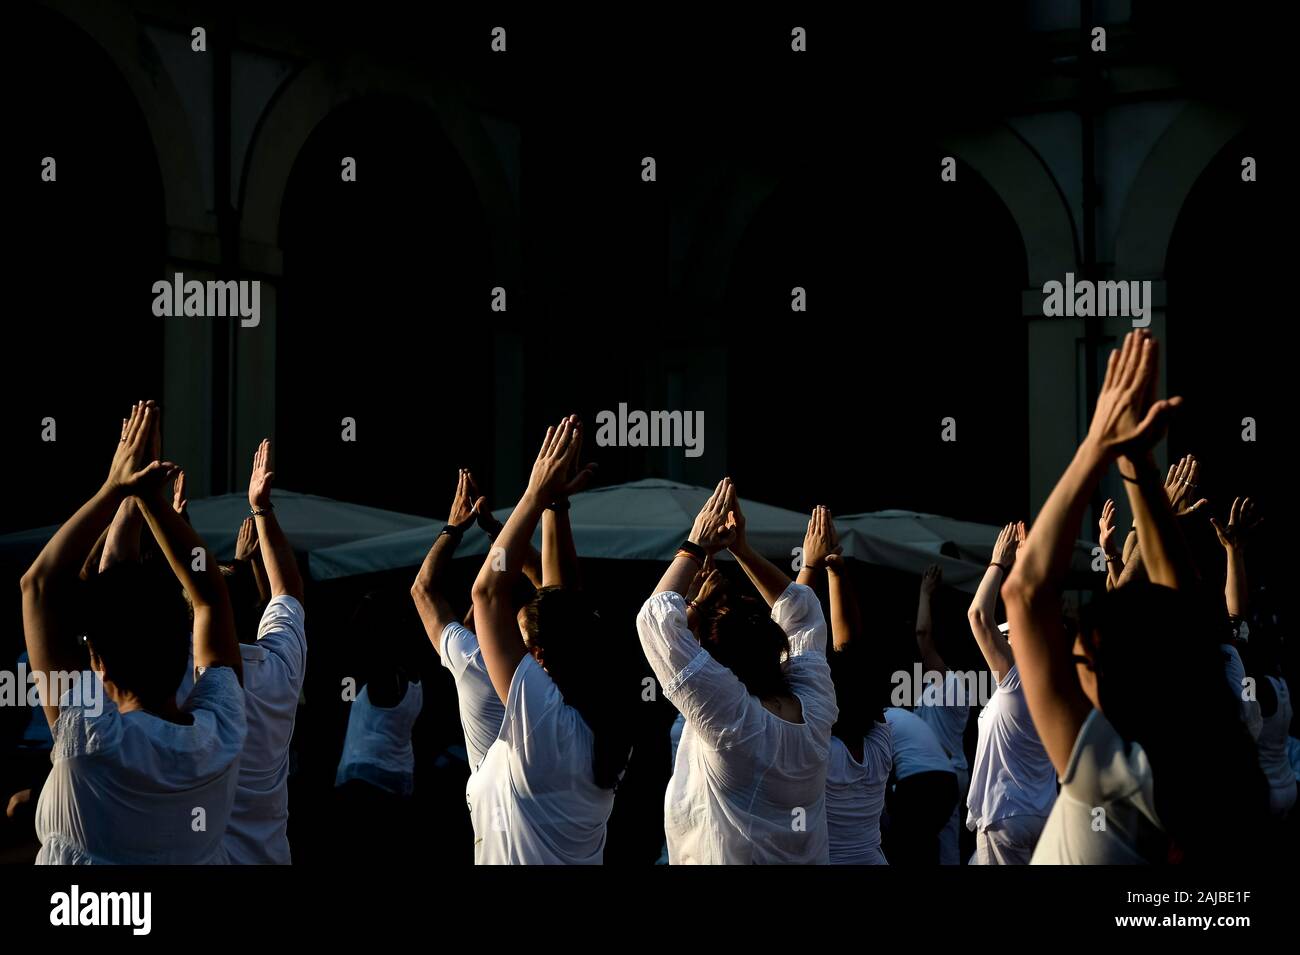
<point>1026,186</point>
<point>305,100</point>
<point>1163,183</point>
<point>113,26</point>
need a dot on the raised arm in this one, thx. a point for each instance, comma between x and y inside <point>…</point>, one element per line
<point>1127,421</point>
<point>1110,546</point>
<point>846,615</point>
<point>981,613</point>
<point>706,589</point>
<point>820,541</point>
<point>930,657</point>
<point>215,643</point>
<point>494,616</point>
<point>710,533</point>
<point>559,555</point>
<point>427,592</point>
<point>122,545</point>
<point>48,586</point>
<point>247,551</point>
<point>1242,522</point>
<point>277,556</point>
<point>770,580</point>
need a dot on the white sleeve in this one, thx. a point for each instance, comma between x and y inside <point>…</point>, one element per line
<point>88,722</point>
<point>711,698</point>
<point>1235,672</point>
<point>544,732</point>
<point>481,710</point>
<point>799,613</point>
<point>283,633</point>
<point>1104,769</point>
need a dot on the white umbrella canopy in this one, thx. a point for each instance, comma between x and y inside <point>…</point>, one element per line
<point>309,522</point>
<point>640,520</point>
<point>909,541</point>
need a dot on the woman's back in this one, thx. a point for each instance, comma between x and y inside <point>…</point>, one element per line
<point>132,788</point>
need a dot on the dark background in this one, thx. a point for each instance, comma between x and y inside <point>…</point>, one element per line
<point>914,288</point>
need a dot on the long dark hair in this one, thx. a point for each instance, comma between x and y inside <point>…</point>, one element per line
<point>595,675</point>
<point>1161,683</point>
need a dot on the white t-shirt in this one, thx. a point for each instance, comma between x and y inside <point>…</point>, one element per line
<point>747,786</point>
<point>377,748</point>
<point>855,797</point>
<point>274,668</point>
<point>127,788</point>
<point>481,710</point>
<point>1234,672</point>
<point>916,748</point>
<point>1104,773</point>
<point>1272,742</point>
<point>1012,775</point>
<point>534,799</point>
<point>945,708</point>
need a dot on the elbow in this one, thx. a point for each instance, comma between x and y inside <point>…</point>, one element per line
<point>1017,589</point>
<point>483,592</point>
<point>978,618</point>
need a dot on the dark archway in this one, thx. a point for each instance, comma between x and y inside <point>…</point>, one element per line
<point>914,315</point>
<point>1229,351</point>
<point>82,339</point>
<point>383,315</point>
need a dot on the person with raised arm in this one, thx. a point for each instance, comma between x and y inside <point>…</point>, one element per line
<point>1012,784</point>
<point>861,746</point>
<point>1110,545</point>
<point>481,710</point>
<point>944,706</point>
<point>275,665</point>
<point>545,788</point>
<point>749,781</point>
<point>1266,713</point>
<point>134,773</point>
<point>1135,717</point>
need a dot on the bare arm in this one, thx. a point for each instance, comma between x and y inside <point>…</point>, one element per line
<point>48,586</point>
<point>1109,541</point>
<point>770,580</point>
<point>122,545</point>
<point>930,657</point>
<point>559,555</point>
<point>277,556</point>
<point>215,643</point>
<point>1127,420</point>
<point>427,592</point>
<point>846,616</point>
<point>1164,555</point>
<point>981,614</point>
<point>711,533</point>
<point>1242,522</point>
<point>494,616</point>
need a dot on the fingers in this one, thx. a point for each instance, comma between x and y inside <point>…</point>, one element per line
<point>1112,365</point>
<point>547,441</point>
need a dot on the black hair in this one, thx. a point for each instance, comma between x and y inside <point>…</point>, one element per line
<point>1161,683</point>
<point>861,690</point>
<point>138,625</point>
<point>595,675</point>
<point>743,637</point>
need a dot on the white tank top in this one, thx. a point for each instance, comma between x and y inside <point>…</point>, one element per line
<point>1273,758</point>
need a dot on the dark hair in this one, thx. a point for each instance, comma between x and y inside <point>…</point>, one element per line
<point>594,674</point>
<point>138,625</point>
<point>1161,683</point>
<point>861,689</point>
<point>743,637</point>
